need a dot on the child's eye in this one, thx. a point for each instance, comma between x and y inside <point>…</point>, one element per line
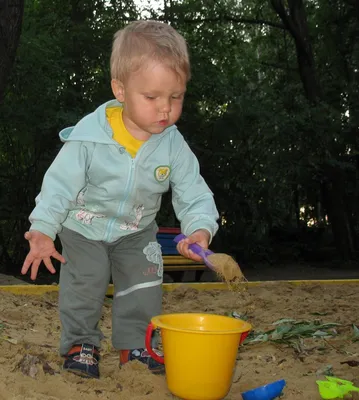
<point>149,97</point>
<point>177,97</point>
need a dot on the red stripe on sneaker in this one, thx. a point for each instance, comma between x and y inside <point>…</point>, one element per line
<point>124,356</point>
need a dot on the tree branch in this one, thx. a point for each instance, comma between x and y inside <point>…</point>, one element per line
<point>222,18</point>
<point>11,14</point>
<point>287,21</point>
<point>227,18</point>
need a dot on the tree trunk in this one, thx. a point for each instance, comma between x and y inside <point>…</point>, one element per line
<point>294,18</point>
<point>334,202</point>
<point>295,192</point>
<point>11,14</point>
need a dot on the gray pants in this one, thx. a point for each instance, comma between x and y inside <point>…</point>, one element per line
<point>135,263</point>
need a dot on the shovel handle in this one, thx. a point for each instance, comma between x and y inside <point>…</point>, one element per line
<point>148,344</point>
<point>196,248</point>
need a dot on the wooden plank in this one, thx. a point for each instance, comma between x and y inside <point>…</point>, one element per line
<point>180,263</point>
<point>175,260</point>
<point>187,267</point>
<point>168,287</point>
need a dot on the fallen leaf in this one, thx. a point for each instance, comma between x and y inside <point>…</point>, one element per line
<point>351,363</point>
<point>47,368</point>
<point>27,365</point>
<point>356,332</point>
<point>326,371</point>
<point>12,341</point>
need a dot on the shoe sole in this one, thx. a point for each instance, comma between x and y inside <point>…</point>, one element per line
<point>159,371</point>
<point>80,373</point>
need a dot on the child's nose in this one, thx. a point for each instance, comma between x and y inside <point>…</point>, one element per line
<point>165,106</point>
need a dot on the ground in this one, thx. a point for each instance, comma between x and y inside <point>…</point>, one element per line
<point>30,368</point>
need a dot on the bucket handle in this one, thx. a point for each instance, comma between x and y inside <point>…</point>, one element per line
<point>148,344</point>
<point>161,360</point>
<point>243,337</point>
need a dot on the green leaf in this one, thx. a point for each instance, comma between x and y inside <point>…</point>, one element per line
<point>284,321</point>
<point>259,338</point>
<point>279,332</point>
<point>236,315</point>
<point>326,371</point>
<point>291,332</point>
<point>356,332</point>
<point>322,334</point>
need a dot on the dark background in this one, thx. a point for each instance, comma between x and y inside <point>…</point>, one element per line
<point>271,112</point>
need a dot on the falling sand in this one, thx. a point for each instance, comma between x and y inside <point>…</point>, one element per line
<point>226,268</point>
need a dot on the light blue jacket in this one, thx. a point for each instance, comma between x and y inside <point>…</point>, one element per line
<point>97,189</point>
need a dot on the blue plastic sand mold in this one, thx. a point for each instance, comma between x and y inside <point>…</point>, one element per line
<point>266,392</point>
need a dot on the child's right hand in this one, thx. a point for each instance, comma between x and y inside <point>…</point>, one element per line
<point>42,248</point>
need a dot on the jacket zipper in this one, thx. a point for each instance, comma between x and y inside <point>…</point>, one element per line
<point>128,189</point>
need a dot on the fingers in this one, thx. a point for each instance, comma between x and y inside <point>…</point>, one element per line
<point>27,263</point>
<point>27,235</point>
<point>35,268</point>
<point>59,257</point>
<point>183,248</point>
<point>194,256</point>
<point>34,263</point>
<point>48,264</point>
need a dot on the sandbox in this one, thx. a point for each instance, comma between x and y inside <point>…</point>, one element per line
<point>30,367</point>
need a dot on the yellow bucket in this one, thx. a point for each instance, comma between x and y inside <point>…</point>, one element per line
<point>199,352</point>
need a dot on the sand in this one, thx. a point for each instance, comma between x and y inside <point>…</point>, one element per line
<point>30,367</point>
<point>227,268</point>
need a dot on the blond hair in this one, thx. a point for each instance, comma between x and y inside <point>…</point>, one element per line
<point>143,41</point>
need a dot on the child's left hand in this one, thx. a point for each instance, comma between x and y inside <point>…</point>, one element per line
<point>200,237</point>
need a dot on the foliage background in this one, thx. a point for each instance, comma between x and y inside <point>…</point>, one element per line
<point>271,112</point>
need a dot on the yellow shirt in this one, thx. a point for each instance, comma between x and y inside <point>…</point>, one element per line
<point>120,133</point>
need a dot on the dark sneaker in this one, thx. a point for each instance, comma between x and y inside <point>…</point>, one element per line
<point>144,357</point>
<point>83,359</point>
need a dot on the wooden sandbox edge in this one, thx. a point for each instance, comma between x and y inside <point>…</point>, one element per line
<point>30,289</point>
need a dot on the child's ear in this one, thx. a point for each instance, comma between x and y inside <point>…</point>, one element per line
<point>118,90</point>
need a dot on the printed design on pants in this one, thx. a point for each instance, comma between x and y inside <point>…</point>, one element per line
<point>154,255</point>
<point>133,226</point>
<point>150,271</point>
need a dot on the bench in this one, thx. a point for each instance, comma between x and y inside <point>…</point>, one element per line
<point>177,267</point>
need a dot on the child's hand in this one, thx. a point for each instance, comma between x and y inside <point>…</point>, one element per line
<point>42,248</point>
<point>200,237</point>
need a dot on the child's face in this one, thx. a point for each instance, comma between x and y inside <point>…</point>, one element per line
<point>152,99</point>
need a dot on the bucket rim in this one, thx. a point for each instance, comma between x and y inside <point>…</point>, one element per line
<point>157,323</point>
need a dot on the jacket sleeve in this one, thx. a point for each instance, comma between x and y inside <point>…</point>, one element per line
<point>192,199</point>
<point>62,182</point>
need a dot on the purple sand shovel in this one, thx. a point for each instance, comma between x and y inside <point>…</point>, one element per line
<point>197,249</point>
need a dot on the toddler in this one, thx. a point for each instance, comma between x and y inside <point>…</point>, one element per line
<point>102,192</point>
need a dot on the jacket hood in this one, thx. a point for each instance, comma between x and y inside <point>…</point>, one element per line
<point>95,128</point>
